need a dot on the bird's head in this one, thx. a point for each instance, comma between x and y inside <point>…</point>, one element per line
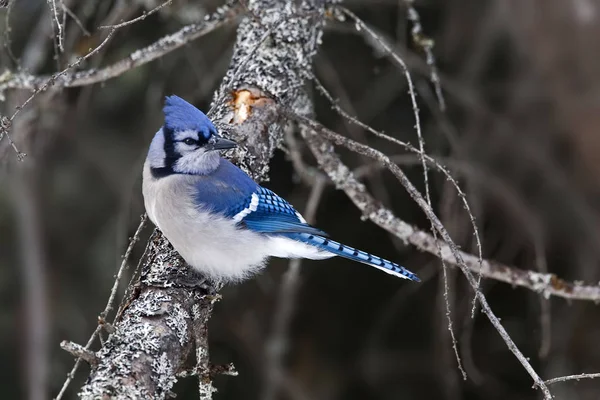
<point>187,142</point>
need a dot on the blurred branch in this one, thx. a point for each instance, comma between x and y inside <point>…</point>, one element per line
<point>59,35</point>
<point>142,17</point>
<point>278,341</point>
<point>426,44</point>
<point>74,17</point>
<point>33,273</point>
<point>34,129</point>
<point>168,310</point>
<point>6,122</point>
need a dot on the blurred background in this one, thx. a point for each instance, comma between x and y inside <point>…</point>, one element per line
<point>520,133</point>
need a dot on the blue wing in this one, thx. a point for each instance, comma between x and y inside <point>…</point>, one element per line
<point>230,192</point>
<point>224,190</point>
<point>266,212</point>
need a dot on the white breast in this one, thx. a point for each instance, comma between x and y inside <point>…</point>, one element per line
<point>211,244</point>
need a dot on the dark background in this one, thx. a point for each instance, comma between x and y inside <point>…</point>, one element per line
<point>521,80</point>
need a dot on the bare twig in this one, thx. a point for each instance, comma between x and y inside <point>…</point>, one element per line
<point>71,374</point>
<point>142,17</point>
<point>59,35</point>
<point>411,148</point>
<point>572,378</point>
<point>80,352</point>
<point>398,60</point>
<point>426,43</point>
<point>74,17</point>
<point>134,239</point>
<point>422,156</point>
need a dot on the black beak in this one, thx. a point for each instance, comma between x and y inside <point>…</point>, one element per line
<point>219,143</point>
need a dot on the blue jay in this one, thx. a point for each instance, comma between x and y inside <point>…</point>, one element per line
<point>223,223</point>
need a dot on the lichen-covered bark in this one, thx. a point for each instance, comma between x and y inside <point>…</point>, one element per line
<point>158,329</point>
<point>154,335</point>
<point>269,66</point>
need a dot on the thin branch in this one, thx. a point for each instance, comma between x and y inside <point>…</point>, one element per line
<point>7,41</point>
<point>572,378</point>
<point>426,44</point>
<point>54,36</point>
<point>144,15</point>
<point>124,264</point>
<point>5,125</point>
<point>80,352</point>
<point>59,35</point>
<point>74,17</point>
<point>449,244</point>
<point>71,374</point>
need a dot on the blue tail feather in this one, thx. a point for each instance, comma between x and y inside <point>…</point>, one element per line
<point>353,254</point>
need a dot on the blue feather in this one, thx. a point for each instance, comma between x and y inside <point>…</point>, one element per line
<point>181,115</point>
<point>353,254</point>
<point>226,191</point>
<point>275,215</point>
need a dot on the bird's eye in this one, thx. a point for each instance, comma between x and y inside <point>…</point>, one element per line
<point>189,141</point>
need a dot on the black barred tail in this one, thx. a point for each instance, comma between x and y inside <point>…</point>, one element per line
<point>355,255</point>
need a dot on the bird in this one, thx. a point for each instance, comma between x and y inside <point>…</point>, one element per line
<point>224,224</point>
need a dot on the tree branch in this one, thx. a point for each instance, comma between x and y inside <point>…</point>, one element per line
<point>167,313</point>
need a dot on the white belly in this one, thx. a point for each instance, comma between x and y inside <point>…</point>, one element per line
<point>209,243</point>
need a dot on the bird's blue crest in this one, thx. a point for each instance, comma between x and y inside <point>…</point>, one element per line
<point>181,115</point>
